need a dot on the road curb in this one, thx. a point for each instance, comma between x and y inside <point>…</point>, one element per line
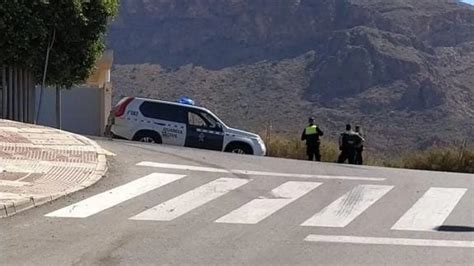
<point>16,206</point>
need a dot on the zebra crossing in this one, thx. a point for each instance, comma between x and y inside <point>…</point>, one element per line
<point>427,213</point>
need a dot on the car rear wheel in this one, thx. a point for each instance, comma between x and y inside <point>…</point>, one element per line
<point>148,136</point>
<point>147,140</point>
<point>239,148</point>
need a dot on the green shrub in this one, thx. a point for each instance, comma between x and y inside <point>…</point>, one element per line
<point>448,159</point>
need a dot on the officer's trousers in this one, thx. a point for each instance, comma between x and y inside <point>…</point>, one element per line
<point>358,157</point>
<point>313,152</point>
<point>347,154</point>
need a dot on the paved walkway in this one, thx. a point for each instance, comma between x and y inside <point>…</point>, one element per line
<point>39,164</point>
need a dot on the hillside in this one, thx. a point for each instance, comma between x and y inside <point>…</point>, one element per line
<point>403,69</point>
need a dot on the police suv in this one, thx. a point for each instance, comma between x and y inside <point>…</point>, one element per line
<point>181,124</point>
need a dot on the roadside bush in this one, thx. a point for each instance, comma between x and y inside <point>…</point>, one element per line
<point>448,159</point>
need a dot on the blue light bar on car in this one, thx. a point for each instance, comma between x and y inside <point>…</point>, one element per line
<point>186,100</point>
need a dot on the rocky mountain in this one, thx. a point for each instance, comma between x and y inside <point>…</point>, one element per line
<point>403,69</point>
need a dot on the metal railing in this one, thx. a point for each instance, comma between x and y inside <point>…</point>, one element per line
<point>17,94</point>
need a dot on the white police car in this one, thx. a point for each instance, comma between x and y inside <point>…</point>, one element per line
<point>181,124</point>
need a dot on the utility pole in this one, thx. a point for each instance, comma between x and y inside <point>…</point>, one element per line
<point>45,71</point>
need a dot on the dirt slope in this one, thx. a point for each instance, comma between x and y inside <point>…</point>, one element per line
<point>403,69</point>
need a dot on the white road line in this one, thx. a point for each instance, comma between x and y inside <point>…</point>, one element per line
<point>16,183</point>
<point>346,208</point>
<point>390,241</point>
<point>191,200</point>
<point>112,197</point>
<point>182,167</point>
<point>259,209</point>
<point>430,210</point>
<point>254,173</point>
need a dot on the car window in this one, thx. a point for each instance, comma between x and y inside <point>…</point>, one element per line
<point>212,123</point>
<point>162,111</point>
<point>195,119</point>
<point>203,119</point>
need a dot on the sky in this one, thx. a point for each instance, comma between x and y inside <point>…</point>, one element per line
<point>469,1</point>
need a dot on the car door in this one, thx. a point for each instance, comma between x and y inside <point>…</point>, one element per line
<point>203,132</point>
<point>167,119</point>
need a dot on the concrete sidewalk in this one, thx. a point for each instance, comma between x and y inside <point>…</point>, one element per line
<point>39,164</point>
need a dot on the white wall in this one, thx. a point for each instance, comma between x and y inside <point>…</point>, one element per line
<point>81,109</point>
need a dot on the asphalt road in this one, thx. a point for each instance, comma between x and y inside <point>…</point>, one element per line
<point>185,206</point>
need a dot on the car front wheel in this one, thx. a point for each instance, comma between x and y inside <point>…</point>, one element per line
<point>239,148</point>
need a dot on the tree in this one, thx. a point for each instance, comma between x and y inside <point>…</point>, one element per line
<point>76,29</point>
<point>22,33</point>
<point>79,27</point>
<point>70,31</point>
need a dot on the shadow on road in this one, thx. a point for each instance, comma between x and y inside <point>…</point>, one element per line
<point>454,228</point>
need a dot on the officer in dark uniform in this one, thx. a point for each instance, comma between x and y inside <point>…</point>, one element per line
<point>348,141</point>
<point>359,148</point>
<point>311,134</point>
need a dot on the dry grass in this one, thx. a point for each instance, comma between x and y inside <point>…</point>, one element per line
<point>449,159</point>
<point>294,148</point>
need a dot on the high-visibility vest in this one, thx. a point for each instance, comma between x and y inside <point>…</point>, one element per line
<point>311,130</point>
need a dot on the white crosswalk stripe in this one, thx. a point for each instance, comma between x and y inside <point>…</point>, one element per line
<point>345,209</point>
<point>259,209</point>
<point>191,200</point>
<point>390,241</point>
<point>431,210</point>
<point>115,196</point>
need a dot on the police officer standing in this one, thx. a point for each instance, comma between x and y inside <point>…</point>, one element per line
<point>359,148</point>
<point>311,134</point>
<point>348,141</point>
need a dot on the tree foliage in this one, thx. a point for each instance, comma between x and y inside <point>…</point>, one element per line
<point>22,33</point>
<point>78,27</point>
